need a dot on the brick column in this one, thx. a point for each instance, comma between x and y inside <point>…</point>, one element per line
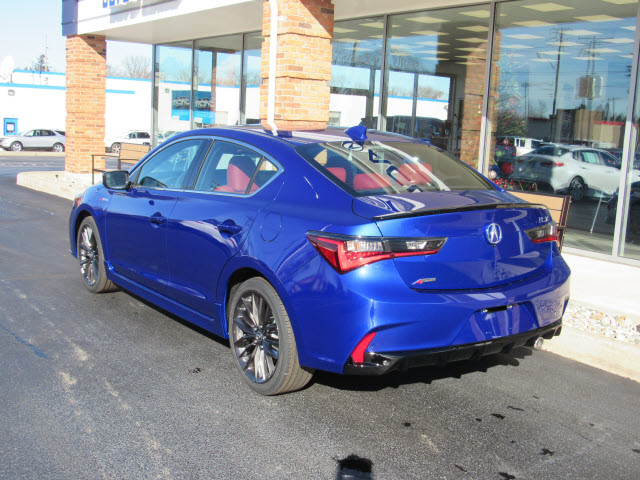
<point>86,83</point>
<point>303,70</point>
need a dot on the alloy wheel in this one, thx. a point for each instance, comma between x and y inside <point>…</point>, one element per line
<point>255,337</point>
<point>89,257</point>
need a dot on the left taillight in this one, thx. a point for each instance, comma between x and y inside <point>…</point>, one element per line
<point>545,233</point>
<point>345,253</point>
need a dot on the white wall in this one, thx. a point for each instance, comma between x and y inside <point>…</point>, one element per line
<point>39,101</point>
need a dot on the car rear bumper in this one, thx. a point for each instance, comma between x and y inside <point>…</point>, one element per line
<point>379,364</point>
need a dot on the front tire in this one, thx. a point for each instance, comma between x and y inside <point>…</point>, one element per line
<point>262,340</point>
<point>16,147</point>
<point>91,258</point>
<point>577,189</point>
<point>115,148</point>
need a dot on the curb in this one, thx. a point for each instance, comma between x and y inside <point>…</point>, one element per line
<point>57,183</point>
<point>9,153</point>
<point>612,356</point>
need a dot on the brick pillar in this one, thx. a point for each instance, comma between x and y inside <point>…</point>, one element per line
<point>303,70</point>
<point>473,99</point>
<point>86,83</point>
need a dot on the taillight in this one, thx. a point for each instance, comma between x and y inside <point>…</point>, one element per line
<point>345,253</point>
<point>545,233</point>
<point>358,353</point>
<point>552,164</point>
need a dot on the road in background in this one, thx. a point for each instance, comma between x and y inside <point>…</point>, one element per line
<point>108,386</point>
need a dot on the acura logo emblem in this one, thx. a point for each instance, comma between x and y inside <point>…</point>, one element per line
<point>493,233</point>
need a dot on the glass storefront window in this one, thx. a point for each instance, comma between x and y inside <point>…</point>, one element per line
<point>435,74</point>
<point>558,103</point>
<point>355,73</point>
<point>631,225</point>
<point>172,89</point>
<point>217,81</point>
<point>252,80</point>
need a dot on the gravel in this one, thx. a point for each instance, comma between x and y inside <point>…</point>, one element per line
<point>617,327</point>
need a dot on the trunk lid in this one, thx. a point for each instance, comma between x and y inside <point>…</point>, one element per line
<point>467,260</point>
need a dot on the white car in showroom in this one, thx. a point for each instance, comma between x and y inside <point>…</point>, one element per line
<point>575,170</point>
<point>40,139</point>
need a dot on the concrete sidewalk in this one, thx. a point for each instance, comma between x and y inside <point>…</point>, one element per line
<point>601,285</point>
<point>30,153</point>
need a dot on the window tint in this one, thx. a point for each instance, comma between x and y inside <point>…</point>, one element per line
<point>391,167</point>
<point>233,168</point>
<point>169,167</point>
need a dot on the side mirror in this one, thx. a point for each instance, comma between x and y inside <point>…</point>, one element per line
<point>116,180</point>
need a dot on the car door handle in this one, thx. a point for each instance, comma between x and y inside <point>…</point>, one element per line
<point>230,227</point>
<point>157,219</point>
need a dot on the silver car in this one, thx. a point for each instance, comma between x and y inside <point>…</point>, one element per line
<point>35,139</point>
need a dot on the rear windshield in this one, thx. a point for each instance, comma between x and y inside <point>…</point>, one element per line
<point>375,168</point>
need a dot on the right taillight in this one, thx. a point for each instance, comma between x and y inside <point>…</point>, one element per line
<point>345,253</point>
<point>545,233</point>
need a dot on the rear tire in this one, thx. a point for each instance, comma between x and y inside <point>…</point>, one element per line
<point>262,341</point>
<point>16,147</point>
<point>115,148</point>
<point>58,147</point>
<point>91,258</point>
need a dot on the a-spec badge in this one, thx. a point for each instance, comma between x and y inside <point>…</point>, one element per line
<point>420,281</point>
<point>493,233</point>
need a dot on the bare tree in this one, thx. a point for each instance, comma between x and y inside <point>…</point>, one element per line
<point>112,71</point>
<point>40,64</point>
<point>136,66</point>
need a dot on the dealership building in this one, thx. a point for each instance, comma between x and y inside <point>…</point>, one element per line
<point>482,80</point>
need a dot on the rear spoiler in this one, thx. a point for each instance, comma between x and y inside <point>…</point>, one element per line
<point>466,208</point>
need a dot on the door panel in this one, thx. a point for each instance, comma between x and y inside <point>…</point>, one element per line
<point>208,226</point>
<point>136,236</point>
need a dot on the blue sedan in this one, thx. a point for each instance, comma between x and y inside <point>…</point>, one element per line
<point>354,252</point>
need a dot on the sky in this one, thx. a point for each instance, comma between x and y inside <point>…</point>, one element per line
<point>30,27</point>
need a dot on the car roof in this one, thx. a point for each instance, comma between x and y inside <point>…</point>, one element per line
<point>297,138</point>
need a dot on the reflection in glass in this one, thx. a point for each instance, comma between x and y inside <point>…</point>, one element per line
<point>172,84</point>
<point>252,80</point>
<point>435,77</point>
<point>558,102</point>
<point>217,81</point>
<point>355,73</point>
<point>631,228</point>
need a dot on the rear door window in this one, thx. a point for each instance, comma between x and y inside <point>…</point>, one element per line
<point>233,168</point>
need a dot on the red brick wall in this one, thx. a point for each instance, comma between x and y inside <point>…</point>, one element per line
<point>303,68</point>
<point>86,83</point>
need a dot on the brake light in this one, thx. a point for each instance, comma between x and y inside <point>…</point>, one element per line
<point>552,164</point>
<point>345,253</point>
<point>545,233</point>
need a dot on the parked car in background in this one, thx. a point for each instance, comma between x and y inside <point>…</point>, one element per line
<point>35,140</point>
<point>353,252</point>
<point>633,219</point>
<point>570,169</point>
<point>135,136</point>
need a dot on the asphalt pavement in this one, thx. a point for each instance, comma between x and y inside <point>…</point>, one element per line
<point>107,386</point>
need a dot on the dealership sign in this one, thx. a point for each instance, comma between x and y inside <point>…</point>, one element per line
<point>116,3</point>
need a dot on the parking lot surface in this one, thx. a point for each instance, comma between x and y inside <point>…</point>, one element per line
<point>107,386</point>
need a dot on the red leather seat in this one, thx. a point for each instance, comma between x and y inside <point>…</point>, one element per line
<point>339,172</point>
<point>370,181</point>
<point>239,173</point>
<point>414,173</point>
